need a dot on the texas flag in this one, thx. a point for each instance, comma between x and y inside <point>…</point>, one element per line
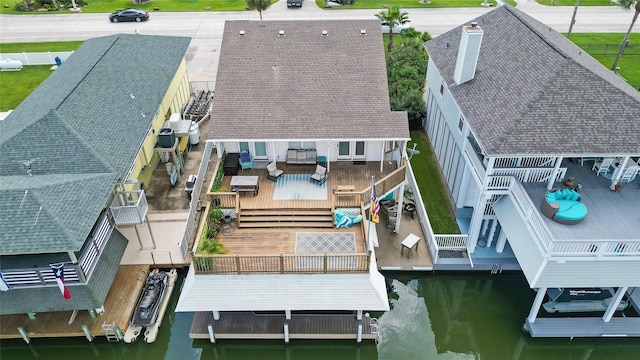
<point>58,271</point>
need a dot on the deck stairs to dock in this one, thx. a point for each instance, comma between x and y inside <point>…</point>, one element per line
<point>286,218</point>
<point>111,332</point>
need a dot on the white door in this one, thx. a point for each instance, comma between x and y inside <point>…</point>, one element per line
<point>258,150</point>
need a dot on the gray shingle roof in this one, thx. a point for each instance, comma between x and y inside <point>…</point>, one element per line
<point>536,93</point>
<point>84,129</point>
<point>303,85</point>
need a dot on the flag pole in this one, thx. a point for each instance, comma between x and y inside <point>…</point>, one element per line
<point>370,213</point>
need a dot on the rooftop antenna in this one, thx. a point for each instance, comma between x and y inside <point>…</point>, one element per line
<point>28,163</point>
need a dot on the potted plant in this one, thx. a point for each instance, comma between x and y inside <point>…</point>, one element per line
<point>617,187</point>
<point>568,181</point>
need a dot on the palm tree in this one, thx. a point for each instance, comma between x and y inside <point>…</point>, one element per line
<point>626,4</point>
<point>260,5</point>
<point>393,16</point>
<point>573,19</point>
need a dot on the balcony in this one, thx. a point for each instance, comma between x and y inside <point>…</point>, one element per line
<point>602,250</point>
<point>129,207</point>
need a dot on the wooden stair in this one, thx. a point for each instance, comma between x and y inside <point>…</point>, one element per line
<point>286,218</point>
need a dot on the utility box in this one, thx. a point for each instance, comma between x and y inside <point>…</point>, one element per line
<point>166,137</point>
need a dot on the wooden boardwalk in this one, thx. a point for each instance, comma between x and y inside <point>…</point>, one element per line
<point>248,325</point>
<point>118,308</point>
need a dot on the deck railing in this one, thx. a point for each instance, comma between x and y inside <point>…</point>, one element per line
<point>129,207</point>
<point>455,242</point>
<point>602,248</point>
<point>42,276</point>
<point>280,264</point>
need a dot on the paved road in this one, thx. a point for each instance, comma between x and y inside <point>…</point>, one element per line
<point>205,28</point>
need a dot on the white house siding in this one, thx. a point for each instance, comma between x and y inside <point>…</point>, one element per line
<point>591,273</point>
<point>283,292</point>
<point>529,256</point>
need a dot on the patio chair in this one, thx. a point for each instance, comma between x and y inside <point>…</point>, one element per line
<point>629,174</point>
<point>320,175</point>
<point>273,171</point>
<point>602,166</point>
<point>245,160</point>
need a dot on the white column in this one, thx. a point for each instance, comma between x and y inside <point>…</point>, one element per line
<point>502,240</point>
<point>273,151</point>
<point>613,305</point>
<point>287,314</point>
<point>328,156</point>
<point>400,204</point>
<point>216,315</point>
<point>359,336</point>
<point>618,173</point>
<point>359,314</point>
<point>212,338</point>
<point>536,304</point>
<point>286,333</point>
<point>476,222</point>
<point>554,175</point>
<point>492,232</point>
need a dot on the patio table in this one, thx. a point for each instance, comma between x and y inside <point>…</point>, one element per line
<point>245,183</point>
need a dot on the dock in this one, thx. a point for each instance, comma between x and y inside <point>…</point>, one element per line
<point>249,325</point>
<point>118,308</point>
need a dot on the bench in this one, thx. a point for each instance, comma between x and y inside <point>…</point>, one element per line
<point>301,157</point>
<point>346,187</point>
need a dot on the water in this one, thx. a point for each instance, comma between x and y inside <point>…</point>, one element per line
<point>436,317</point>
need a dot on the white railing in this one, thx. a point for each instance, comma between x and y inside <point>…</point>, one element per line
<point>525,162</point>
<point>129,207</point>
<point>603,248</point>
<point>457,242</point>
<point>527,175</point>
<point>37,58</point>
<point>39,276</point>
<point>98,241</point>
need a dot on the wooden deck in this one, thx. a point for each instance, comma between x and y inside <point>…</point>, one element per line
<point>341,174</point>
<point>276,241</point>
<point>247,325</point>
<point>118,308</point>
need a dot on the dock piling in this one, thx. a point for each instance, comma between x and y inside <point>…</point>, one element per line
<point>87,333</point>
<point>286,333</point>
<point>24,334</point>
<point>211,337</point>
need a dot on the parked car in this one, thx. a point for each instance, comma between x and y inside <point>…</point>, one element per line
<point>397,28</point>
<point>129,15</point>
<point>294,3</point>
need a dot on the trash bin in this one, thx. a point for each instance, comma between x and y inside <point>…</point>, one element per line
<point>189,185</point>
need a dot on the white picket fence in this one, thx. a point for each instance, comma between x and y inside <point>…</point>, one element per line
<point>37,58</point>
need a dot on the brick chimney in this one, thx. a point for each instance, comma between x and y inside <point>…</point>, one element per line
<point>468,52</point>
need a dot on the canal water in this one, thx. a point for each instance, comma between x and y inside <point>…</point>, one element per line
<point>436,317</point>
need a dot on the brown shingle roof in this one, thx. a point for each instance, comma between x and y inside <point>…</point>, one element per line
<point>303,85</point>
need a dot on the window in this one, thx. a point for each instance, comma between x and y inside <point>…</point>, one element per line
<point>441,88</point>
<point>307,145</point>
<point>461,123</point>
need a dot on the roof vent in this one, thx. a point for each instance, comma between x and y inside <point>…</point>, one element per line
<point>363,32</point>
<point>325,33</point>
<point>281,33</point>
<point>242,33</point>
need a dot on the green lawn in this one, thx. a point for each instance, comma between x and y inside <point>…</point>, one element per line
<point>573,3</point>
<point>15,86</point>
<point>406,4</point>
<point>40,47</point>
<point>432,186</point>
<point>595,43</point>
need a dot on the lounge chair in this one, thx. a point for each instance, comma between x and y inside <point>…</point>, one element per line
<point>273,170</point>
<point>245,160</point>
<point>320,175</point>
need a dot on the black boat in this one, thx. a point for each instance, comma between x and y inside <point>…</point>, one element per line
<point>146,312</point>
